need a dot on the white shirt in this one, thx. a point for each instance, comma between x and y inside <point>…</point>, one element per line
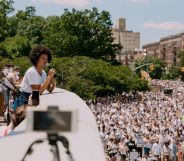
<point>156,149</point>
<point>32,77</point>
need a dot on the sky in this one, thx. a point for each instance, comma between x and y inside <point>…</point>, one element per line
<point>154,19</point>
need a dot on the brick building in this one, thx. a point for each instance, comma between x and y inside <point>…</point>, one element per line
<point>167,48</point>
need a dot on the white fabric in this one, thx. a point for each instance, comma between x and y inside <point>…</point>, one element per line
<point>140,141</point>
<point>32,77</point>
<point>156,149</point>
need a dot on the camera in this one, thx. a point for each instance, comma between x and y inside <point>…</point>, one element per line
<point>52,120</point>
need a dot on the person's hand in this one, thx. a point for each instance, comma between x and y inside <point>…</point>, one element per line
<point>52,85</point>
<point>51,73</point>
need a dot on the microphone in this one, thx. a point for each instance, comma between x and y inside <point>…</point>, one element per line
<point>49,66</point>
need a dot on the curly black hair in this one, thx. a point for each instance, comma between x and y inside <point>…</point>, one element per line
<point>37,51</point>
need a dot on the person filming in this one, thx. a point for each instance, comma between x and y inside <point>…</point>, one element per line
<point>35,76</point>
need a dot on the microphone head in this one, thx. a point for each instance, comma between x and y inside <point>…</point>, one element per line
<point>48,65</point>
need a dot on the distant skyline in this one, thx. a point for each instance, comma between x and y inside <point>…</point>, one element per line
<point>154,19</point>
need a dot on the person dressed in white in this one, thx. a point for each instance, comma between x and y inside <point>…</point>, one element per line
<point>166,151</point>
<point>139,144</point>
<point>156,149</point>
<point>35,75</point>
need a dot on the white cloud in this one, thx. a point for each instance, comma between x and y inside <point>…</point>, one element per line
<point>164,25</point>
<point>74,3</point>
<point>140,1</point>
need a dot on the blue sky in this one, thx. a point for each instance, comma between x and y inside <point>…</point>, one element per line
<point>152,18</point>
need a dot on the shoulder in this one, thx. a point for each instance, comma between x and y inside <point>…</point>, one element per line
<point>31,70</point>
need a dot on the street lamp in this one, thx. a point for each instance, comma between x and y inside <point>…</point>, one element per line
<point>145,59</point>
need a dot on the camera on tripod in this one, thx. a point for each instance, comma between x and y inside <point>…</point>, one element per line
<point>52,120</point>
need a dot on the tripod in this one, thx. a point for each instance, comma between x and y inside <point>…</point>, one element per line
<point>52,138</point>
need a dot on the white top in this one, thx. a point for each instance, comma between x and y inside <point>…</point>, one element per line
<point>156,149</point>
<point>32,77</point>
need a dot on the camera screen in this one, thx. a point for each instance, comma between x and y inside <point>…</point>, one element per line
<point>52,121</point>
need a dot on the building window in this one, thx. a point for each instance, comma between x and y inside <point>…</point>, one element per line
<point>164,53</point>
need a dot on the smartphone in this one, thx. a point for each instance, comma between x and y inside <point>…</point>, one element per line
<point>36,94</point>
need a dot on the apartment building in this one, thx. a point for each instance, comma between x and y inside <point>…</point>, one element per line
<point>167,48</point>
<point>129,41</point>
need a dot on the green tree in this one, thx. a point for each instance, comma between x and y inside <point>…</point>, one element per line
<point>23,62</point>
<point>181,64</point>
<point>32,29</point>
<point>54,36</point>
<point>27,14</point>
<point>19,21</point>
<point>4,61</point>
<point>12,24</point>
<point>159,66</point>
<point>3,51</point>
<point>173,73</point>
<point>17,46</point>
<point>82,33</point>
<point>5,8</point>
<point>90,78</point>
<point>181,57</point>
<point>30,25</point>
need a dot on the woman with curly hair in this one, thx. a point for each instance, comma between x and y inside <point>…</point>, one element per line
<point>35,75</point>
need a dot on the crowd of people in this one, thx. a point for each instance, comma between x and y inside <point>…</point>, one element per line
<point>144,126</point>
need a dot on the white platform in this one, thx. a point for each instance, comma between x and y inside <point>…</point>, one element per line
<point>85,144</point>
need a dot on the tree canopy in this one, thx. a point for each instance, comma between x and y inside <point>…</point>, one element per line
<point>96,77</point>
<point>82,33</point>
<point>159,66</point>
<point>5,8</point>
<point>74,33</point>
